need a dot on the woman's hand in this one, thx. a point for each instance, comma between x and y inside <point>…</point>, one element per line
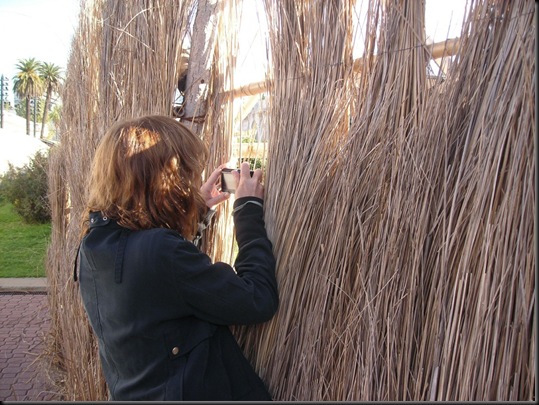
<point>248,186</point>
<point>211,195</point>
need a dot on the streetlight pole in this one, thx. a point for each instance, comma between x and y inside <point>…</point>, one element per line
<point>2,102</point>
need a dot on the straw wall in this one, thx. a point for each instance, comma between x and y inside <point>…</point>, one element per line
<point>401,212</point>
<point>406,248</point>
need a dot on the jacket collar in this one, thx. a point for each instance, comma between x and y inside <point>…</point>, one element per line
<point>98,219</point>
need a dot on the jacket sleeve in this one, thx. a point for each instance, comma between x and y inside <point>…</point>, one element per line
<point>219,294</point>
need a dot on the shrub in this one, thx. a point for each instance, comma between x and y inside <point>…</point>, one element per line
<point>256,163</point>
<point>26,189</point>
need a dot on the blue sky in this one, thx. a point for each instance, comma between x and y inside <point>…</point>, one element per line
<point>41,29</point>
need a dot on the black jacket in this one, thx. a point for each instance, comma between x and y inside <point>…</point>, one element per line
<point>160,309</point>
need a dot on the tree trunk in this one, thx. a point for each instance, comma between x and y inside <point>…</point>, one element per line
<point>200,59</point>
<point>27,115</point>
<point>45,111</point>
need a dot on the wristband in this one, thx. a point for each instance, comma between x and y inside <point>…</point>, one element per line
<point>239,207</point>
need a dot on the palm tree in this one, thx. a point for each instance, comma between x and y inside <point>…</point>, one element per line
<point>51,77</point>
<point>27,84</point>
<point>54,117</point>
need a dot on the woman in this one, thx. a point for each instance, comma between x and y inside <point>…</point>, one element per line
<point>157,305</point>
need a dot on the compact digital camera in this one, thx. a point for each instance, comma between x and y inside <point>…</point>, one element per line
<point>228,182</point>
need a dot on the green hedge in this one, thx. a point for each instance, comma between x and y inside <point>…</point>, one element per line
<point>26,189</point>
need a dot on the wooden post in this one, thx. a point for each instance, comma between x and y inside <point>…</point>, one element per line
<point>200,60</point>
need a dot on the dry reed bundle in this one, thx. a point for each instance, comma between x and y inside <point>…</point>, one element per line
<point>125,61</point>
<point>482,254</point>
<point>218,240</point>
<point>309,100</point>
<point>406,267</point>
<point>75,347</point>
<point>220,121</point>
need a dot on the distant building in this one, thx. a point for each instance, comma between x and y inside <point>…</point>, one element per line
<point>5,90</point>
<point>256,122</point>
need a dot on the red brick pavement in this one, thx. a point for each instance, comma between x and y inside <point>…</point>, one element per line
<point>24,324</point>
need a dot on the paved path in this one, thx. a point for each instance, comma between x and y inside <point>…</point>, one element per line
<point>24,324</point>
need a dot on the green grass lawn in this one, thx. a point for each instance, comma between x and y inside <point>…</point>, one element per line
<point>23,246</point>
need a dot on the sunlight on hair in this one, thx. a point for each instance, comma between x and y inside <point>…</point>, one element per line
<point>169,175</point>
<point>139,140</point>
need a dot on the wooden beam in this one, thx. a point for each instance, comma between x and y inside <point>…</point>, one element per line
<point>448,47</point>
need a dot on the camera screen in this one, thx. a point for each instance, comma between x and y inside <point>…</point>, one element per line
<point>228,182</point>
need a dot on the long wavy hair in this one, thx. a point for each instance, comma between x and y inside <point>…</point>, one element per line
<point>147,173</point>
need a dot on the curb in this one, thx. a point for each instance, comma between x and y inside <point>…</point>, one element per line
<point>23,285</point>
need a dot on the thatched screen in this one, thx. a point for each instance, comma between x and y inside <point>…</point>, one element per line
<point>401,209</point>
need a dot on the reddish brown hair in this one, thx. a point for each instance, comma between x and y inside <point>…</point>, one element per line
<point>147,173</point>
